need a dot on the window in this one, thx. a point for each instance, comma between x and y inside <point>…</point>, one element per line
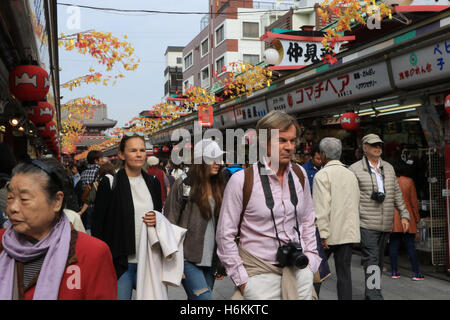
<point>220,36</point>
<point>205,73</point>
<point>220,63</point>
<point>186,85</point>
<point>188,61</point>
<point>205,47</point>
<point>253,59</point>
<point>250,30</point>
<point>179,60</point>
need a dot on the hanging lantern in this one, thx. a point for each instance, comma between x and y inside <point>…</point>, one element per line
<point>350,121</point>
<point>48,131</point>
<point>205,115</point>
<point>447,104</point>
<point>29,83</point>
<point>155,150</point>
<point>165,149</point>
<point>43,112</point>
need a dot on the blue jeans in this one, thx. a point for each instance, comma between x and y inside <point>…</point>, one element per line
<point>127,282</point>
<point>394,243</point>
<point>199,282</point>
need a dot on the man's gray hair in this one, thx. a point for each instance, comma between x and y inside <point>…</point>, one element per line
<point>332,148</point>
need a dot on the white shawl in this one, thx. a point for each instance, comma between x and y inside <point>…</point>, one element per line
<point>160,259</point>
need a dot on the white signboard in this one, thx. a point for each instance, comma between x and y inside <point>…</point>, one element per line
<point>356,84</point>
<point>250,113</point>
<point>422,65</point>
<point>284,103</point>
<point>302,53</point>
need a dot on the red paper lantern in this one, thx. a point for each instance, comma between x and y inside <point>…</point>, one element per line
<point>205,116</point>
<point>350,121</point>
<point>29,83</point>
<point>165,149</point>
<point>447,104</point>
<point>41,113</point>
<point>155,150</point>
<point>48,131</point>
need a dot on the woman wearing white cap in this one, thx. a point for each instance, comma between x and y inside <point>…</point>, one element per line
<point>194,203</point>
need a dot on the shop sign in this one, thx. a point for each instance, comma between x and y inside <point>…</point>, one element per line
<point>284,102</point>
<point>303,53</point>
<point>356,84</point>
<point>225,119</point>
<point>426,64</point>
<point>250,113</point>
<point>331,121</point>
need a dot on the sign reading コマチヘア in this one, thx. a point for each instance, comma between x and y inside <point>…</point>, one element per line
<point>425,64</point>
<point>346,87</point>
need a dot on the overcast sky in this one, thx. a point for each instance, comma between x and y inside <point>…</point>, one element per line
<point>150,35</point>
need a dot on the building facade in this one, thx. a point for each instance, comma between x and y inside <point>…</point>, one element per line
<point>231,35</point>
<point>173,73</point>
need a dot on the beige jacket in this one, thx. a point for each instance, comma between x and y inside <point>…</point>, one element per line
<point>336,201</point>
<point>374,215</point>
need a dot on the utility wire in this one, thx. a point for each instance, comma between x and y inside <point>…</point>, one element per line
<point>164,12</point>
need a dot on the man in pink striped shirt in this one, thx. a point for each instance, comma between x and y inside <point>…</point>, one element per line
<point>258,235</point>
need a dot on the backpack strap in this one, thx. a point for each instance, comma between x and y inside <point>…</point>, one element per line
<point>299,174</point>
<point>246,193</point>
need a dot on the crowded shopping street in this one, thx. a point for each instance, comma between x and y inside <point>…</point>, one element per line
<point>225,150</point>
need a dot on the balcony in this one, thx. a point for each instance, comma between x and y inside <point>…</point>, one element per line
<point>173,70</point>
<point>272,6</point>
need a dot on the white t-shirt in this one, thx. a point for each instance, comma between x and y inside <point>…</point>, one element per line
<point>143,203</point>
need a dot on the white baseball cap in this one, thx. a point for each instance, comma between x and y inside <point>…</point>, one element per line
<point>208,149</point>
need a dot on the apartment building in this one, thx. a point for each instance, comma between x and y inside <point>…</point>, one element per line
<point>173,73</point>
<point>230,33</point>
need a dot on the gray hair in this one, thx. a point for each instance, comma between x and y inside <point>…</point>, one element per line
<point>332,148</point>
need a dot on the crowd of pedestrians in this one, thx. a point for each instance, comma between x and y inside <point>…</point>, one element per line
<point>270,226</point>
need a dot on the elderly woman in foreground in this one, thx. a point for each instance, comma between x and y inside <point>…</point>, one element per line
<point>41,256</point>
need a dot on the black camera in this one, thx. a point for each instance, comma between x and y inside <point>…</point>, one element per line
<point>291,254</point>
<point>378,196</point>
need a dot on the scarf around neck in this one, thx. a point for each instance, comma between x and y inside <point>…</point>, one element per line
<point>55,246</point>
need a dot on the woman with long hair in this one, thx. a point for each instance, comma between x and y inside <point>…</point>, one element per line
<point>194,203</point>
<point>121,208</point>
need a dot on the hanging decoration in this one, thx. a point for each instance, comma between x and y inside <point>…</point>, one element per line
<point>47,131</point>
<point>165,149</point>
<point>29,83</point>
<point>41,113</point>
<point>350,121</point>
<point>447,104</point>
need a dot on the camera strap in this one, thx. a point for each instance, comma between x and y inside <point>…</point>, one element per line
<point>270,202</point>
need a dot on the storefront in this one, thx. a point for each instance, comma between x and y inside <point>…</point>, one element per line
<point>396,85</point>
<point>28,36</point>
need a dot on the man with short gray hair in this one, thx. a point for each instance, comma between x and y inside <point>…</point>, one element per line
<point>336,201</point>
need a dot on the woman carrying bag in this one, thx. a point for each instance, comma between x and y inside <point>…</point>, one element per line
<point>194,203</point>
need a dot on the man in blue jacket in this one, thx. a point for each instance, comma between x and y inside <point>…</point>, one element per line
<point>313,165</point>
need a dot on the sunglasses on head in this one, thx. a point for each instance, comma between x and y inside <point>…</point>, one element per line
<point>48,171</point>
<point>132,134</point>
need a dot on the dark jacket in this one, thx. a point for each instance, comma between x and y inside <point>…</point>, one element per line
<point>113,216</point>
<point>192,219</point>
<point>311,171</point>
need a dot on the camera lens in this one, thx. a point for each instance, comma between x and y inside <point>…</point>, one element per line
<point>300,261</point>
